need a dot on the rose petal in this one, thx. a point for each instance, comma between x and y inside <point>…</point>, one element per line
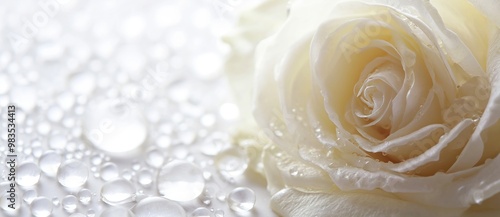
<point>293,203</point>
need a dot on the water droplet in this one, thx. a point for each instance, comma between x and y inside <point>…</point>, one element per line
<point>201,212</point>
<point>96,159</point>
<point>117,211</point>
<point>219,213</point>
<point>28,174</point>
<point>82,83</point>
<point>41,207</point>
<point>154,158</point>
<point>69,203</point>
<point>294,171</point>
<point>55,201</point>
<point>117,191</point>
<point>109,171</point>
<point>106,123</point>
<point>29,196</point>
<point>85,196</point>
<point>158,207</point>
<point>145,177</point>
<point>232,162</point>
<point>241,199</point>
<point>50,162</point>
<point>278,133</point>
<point>77,215</point>
<point>57,141</point>
<point>180,181</point>
<point>72,174</point>
<point>54,113</point>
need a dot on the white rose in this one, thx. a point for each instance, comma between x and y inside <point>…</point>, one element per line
<point>382,108</point>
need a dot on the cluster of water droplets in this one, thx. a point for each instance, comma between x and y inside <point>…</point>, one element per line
<point>127,115</point>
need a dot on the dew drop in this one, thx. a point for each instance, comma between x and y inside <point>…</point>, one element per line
<point>72,174</point>
<point>41,207</point>
<point>117,211</point>
<point>231,162</point>
<point>294,171</point>
<point>55,201</point>
<point>69,203</point>
<point>241,199</point>
<point>154,158</point>
<point>29,196</point>
<point>109,171</point>
<point>219,213</point>
<point>145,177</point>
<point>158,207</point>
<point>50,162</point>
<point>201,212</point>
<point>118,191</point>
<point>85,196</point>
<point>180,181</point>
<point>28,174</point>
<point>106,123</point>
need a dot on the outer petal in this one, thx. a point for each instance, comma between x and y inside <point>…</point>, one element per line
<point>293,203</point>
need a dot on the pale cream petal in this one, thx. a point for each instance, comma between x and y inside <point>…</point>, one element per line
<point>293,203</point>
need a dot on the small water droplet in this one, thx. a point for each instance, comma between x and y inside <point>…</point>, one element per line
<point>278,133</point>
<point>50,162</point>
<point>41,207</point>
<point>77,215</point>
<point>201,212</point>
<point>241,199</point>
<point>55,201</point>
<point>118,191</point>
<point>155,158</point>
<point>70,203</point>
<point>180,181</point>
<point>109,171</point>
<point>145,178</point>
<point>158,207</point>
<point>231,162</point>
<point>28,174</point>
<point>29,196</point>
<point>72,174</point>
<point>218,213</point>
<point>85,196</point>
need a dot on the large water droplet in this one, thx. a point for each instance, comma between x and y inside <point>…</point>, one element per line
<point>114,127</point>
<point>180,180</point>
<point>232,162</point>
<point>158,207</point>
<point>241,199</point>
<point>41,207</point>
<point>72,174</point>
<point>117,211</point>
<point>50,162</point>
<point>118,191</point>
<point>28,174</point>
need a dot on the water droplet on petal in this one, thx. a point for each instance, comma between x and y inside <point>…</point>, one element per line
<point>180,181</point>
<point>241,199</point>
<point>85,196</point>
<point>158,207</point>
